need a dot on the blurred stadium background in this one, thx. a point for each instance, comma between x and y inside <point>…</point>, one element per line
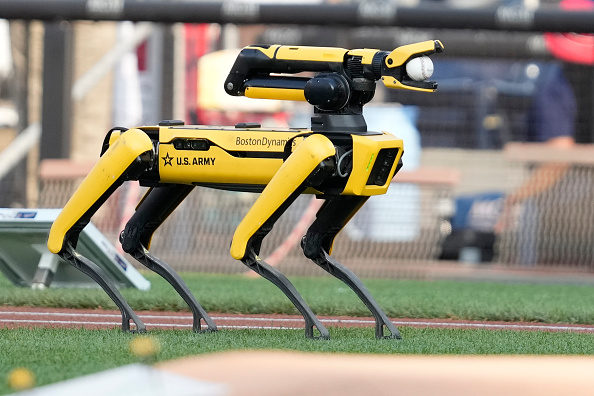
<point>483,192</point>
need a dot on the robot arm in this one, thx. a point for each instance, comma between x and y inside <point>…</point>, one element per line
<point>341,71</point>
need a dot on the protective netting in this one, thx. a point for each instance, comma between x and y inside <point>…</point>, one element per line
<point>555,227</point>
<point>388,234</point>
<point>399,234</point>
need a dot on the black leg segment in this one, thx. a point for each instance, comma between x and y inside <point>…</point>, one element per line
<point>254,262</point>
<point>96,273</point>
<point>153,210</point>
<point>382,322</point>
<point>331,218</point>
<point>159,266</point>
<point>267,271</point>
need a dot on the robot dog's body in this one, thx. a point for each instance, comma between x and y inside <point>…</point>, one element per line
<point>338,160</point>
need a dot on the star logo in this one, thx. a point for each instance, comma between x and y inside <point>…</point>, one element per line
<point>167,160</point>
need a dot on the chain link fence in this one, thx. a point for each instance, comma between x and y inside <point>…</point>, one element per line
<point>388,234</point>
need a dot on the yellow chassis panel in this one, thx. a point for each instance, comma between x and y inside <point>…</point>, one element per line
<point>219,165</point>
<point>365,152</point>
<point>286,180</point>
<point>104,174</point>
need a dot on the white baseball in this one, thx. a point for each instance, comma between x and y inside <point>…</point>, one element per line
<point>420,68</point>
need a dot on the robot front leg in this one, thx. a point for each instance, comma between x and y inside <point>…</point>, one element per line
<point>317,244</point>
<point>309,161</point>
<point>125,160</point>
<point>155,207</point>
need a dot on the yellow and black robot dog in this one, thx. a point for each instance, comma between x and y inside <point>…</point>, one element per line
<point>338,160</point>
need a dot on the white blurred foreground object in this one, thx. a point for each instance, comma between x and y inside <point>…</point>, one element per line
<point>420,68</point>
<point>131,380</point>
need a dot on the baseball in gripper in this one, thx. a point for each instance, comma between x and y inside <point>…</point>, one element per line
<point>420,68</point>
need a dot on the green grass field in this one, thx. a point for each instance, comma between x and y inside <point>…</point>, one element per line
<point>328,296</point>
<point>57,354</point>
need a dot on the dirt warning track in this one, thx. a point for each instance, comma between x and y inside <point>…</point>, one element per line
<point>14,317</point>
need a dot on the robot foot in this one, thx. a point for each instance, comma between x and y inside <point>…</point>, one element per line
<point>96,273</point>
<point>312,323</point>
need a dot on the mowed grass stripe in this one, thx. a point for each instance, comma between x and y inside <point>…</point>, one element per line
<point>327,296</point>
<point>58,354</point>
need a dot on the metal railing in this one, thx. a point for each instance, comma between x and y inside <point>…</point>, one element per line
<point>367,13</point>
